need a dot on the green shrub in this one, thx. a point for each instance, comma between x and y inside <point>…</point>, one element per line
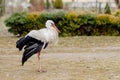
<point>70,24</point>
<point>86,24</point>
<point>117,13</point>
<point>16,23</point>
<point>21,23</point>
<point>33,22</point>
<point>58,4</point>
<point>106,25</point>
<point>56,17</point>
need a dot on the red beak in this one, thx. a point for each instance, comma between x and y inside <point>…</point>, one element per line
<point>56,28</point>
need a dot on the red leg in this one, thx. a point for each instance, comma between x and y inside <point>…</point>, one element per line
<point>39,62</point>
<point>39,56</point>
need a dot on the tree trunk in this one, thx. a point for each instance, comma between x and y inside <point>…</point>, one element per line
<point>117,3</point>
<point>2,7</point>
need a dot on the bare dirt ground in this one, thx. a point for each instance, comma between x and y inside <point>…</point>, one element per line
<point>67,66</point>
<point>80,58</point>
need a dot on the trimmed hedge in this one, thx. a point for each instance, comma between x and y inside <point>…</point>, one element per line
<point>17,23</point>
<point>70,24</point>
<point>107,25</point>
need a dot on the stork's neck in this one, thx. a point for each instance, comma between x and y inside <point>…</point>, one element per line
<point>51,28</point>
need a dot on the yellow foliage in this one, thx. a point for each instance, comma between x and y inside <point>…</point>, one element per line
<point>72,14</point>
<point>33,16</point>
<point>103,19</point>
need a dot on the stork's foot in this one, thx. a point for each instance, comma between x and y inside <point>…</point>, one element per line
<point>39,70</point>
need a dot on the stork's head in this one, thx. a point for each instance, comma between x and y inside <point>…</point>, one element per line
<point>51,25</point>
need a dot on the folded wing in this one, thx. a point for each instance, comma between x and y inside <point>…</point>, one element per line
<point>31,47</point>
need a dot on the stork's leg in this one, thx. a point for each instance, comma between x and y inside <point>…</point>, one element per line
<point>39,69</point>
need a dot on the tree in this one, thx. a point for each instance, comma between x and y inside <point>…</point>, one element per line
<point>58,4</point>
<point>2,7</point>
<point>117,3</point>
<point>47,4</point>
<point>37,5</point>
<point>107,9</point>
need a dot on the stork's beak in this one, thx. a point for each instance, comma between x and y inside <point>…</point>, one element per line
<point>54,26</point>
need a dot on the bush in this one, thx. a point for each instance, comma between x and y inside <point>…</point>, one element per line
<point>86,24</point>
<point>117,13</point>
<point>16,23</point>
<point>58,4</point>
<point>70,24</point>
<point>106,25</point>
<point>33,22</point>
<point>21,23</point>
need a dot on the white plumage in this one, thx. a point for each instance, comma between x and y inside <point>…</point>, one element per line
<point>48,34</point>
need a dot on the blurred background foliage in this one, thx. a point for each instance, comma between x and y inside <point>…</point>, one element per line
<point>11,6</point>
<point>58,4</point>
<point>69,23</point>
<point>73,19</point>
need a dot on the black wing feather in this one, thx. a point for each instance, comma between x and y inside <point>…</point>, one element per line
<point>32,46</point>
<point>22,42</point>
<point>31,49</point>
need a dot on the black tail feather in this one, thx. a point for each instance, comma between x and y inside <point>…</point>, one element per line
<point>31,50</point>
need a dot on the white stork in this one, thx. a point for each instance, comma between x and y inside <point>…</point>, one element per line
<point>36,40</point>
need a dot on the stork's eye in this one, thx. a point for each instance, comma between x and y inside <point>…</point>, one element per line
<point>51,23</point>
